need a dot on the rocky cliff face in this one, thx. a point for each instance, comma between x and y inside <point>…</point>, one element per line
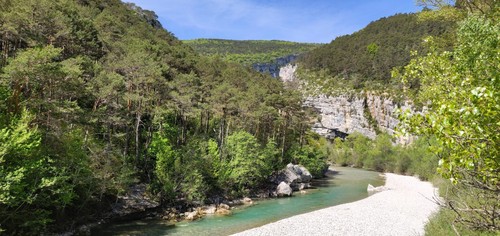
<point>367,112</point>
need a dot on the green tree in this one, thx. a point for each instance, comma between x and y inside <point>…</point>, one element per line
<point>461,89</point>
<point>165,167</point>
<point>31,186</point>
<point>48,86</point>
<point>245,165</point>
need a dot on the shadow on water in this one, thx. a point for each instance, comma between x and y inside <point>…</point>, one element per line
<point>342,185</point>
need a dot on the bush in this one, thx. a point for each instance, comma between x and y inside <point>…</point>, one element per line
<point>244,163</point>
<point>312,155</point>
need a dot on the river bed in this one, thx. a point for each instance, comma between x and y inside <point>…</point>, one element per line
<point>346,185</point>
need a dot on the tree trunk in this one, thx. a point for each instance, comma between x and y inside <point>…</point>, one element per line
<point>283,140</point>
<point>127,140</point>
<point>137,129</point>
<point>207,129</point>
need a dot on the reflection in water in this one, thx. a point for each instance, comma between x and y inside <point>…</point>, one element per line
<point>347,185</point>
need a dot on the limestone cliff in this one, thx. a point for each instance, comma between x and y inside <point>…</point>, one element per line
<point>365,112</point>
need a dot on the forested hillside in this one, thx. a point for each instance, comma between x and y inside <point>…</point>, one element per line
<point>366,58</point>
<point>447,59</point>
<point>248,52</point>
<point>95,97</point>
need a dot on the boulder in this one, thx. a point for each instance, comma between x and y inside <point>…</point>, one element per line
<point>372,189</point>
<point>284,190</point>
<point>247,201</point>
<point>296,176</point>
<point>224,206</point>
<point>209,210</point>
<point>222,211</point>
<point>291,174</point>
<point>191,215</point>
<point>303,186</point>
<point>305,175</point>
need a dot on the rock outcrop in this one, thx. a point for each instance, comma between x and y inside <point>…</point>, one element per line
<point>365,112</point>
<point>209,210</point>
<point>287,73</point>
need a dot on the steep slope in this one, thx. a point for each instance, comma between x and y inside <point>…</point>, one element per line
<point>368,56</point>
<point>349,80</point>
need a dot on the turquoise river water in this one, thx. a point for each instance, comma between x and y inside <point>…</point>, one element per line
<point>347,185</point>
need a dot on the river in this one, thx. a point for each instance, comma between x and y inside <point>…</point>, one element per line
<point>347,185</point>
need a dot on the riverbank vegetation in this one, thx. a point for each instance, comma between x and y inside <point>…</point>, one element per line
<point>455,75</point>
<point>383,156</point>
<point>96,97</point>
<point>462,92</point>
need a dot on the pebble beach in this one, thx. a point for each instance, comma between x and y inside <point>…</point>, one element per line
<point>402,209</point>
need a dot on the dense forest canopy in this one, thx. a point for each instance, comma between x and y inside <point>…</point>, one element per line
<point>366,58</point>
<point>96,97</point>
<point>248,52</point>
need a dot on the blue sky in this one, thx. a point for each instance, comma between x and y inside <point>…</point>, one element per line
<point>318,21</point>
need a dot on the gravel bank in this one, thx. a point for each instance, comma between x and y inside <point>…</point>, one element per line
<point>402,210</point>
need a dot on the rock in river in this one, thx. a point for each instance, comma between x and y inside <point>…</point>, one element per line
<point>284,190</point>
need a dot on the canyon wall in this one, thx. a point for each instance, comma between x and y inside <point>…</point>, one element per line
<point>368,113</point>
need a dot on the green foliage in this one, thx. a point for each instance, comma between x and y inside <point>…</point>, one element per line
<point>440,224</point>
<point>245,163</point>
<point>445,221</point>
<point>248,52</point>
<point>165,166</point>
<point>462,92</point>
<point>312,155</point>
<point>119,100</point>
<point>35,182</point>
<point>372,49</point>
<point>364,60</point>
<point>464,115</point>
<point>179,176</point>
<point>382,155</point>
<point>19,162</point>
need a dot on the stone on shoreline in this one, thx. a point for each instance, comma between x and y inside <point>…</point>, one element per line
<point>284,190</point>
<point>247,201</point>
<point>296,176</point>
<point>224,206</point>
<point>223,211</point>
<point>209,210</point>
<point>372,189</point>
<point>192,215</point>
